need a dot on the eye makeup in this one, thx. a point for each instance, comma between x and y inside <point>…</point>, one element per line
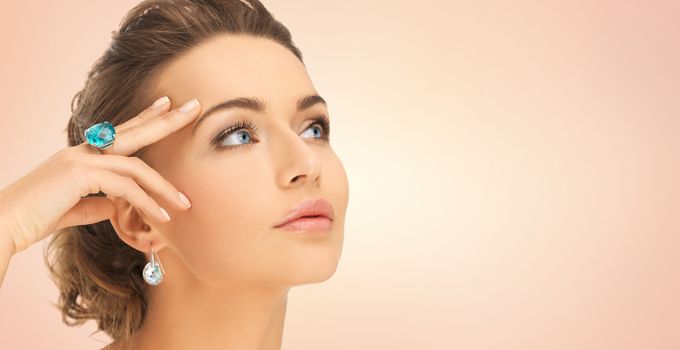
<point>325,124</point>
<point>248,125</point>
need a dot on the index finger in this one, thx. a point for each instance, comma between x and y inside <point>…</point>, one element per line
<point>157,108</point>
<point>137,135</point>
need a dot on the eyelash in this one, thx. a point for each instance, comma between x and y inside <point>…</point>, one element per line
<point>320,120</point>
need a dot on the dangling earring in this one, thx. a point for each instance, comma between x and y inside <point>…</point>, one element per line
<point>153,271</point>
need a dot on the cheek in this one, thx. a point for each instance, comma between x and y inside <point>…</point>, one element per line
<point>224,234</point>
<point>227,235</point>
<point>339,188</point>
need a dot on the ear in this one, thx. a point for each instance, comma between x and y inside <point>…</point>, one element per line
<point>135,228</point>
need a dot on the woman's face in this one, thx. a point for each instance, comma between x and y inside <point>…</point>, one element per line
<point>242,185</point>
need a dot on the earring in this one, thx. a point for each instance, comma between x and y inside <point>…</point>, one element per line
<point>153,271</point>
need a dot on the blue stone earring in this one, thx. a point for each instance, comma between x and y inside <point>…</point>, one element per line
<point>153,271</point>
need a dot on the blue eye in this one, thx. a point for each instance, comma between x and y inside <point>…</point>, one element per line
<point>241,132</point>
<point>315,130</point>
<point>323,126</point>
<point>241,135</point>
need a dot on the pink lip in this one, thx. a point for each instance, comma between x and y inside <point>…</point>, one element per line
<point>297,218</point>
<point>318,224</point>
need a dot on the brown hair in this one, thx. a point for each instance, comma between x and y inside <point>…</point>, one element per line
<point>99,276</point>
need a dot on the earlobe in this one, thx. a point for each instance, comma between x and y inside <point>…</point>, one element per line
<point>133,228</point>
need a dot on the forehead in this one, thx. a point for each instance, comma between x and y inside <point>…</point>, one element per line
<point>229,66</point>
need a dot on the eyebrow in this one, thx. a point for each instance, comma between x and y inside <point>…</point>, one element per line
<point>255,104</point>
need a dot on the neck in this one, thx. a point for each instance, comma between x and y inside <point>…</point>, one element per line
<point>198,317</point>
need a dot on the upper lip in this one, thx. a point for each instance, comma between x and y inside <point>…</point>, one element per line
<point>308,207</point>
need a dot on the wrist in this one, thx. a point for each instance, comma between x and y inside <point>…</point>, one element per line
<point>6,232</point>
<point>6,236</point>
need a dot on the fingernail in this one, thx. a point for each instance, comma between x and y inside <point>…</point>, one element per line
<point>165,214</point>
<point>161,101</point>
<point>191,104</point>
<point>184,199</point>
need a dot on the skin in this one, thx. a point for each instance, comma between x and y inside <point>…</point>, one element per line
<point>228,271</point>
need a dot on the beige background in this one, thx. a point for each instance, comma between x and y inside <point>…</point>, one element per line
<point>513,169</point>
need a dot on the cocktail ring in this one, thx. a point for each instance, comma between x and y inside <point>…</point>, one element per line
<point>101,135</point>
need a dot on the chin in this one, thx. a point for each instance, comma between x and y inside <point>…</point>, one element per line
<point>306,272</point>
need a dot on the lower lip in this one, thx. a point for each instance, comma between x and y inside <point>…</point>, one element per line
<point>308,224</point>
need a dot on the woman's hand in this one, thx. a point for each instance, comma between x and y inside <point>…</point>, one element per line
<point>50,197</point>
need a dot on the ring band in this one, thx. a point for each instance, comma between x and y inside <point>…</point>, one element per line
<point>100,135</point>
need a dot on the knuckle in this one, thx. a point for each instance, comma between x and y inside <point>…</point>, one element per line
<point>137,167</point>
<point>130,183</point>
<point>128,190</point>
<point>76,164</point>
<point>145,115</point>
<point>67,155</point>
<point>138,162</point>
<point>127,195</point>
<point>131,132</point>
<point>168,116</point>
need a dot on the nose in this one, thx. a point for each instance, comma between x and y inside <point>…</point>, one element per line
<point>298,164</point>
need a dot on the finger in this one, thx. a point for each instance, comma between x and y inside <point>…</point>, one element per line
<point>88,211</point>
<point>113,185</point>
<point>159,107</point>
<point>135,137</point>
<point>135,168</point>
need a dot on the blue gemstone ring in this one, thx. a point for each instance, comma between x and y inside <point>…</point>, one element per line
<point>101,135</point>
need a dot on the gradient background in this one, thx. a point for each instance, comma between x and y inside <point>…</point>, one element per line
<point>513,169</point>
